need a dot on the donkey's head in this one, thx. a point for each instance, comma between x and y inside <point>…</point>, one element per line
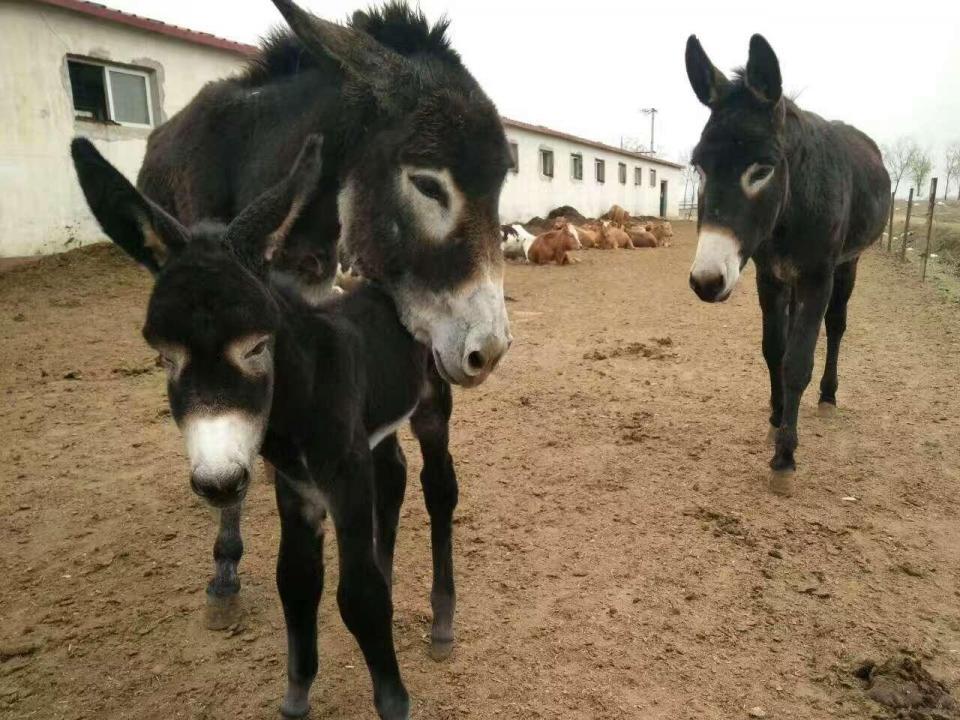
<point>210,315</point>
<point>421,186</point>
<point>741,161</point>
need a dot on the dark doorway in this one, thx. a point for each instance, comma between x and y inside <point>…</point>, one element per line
<point>663,198</point>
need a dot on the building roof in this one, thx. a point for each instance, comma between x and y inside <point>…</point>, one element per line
<point>102,12</point>
<point>540,129</point>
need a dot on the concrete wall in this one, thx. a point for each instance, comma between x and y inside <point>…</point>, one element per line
<point>528,192</point>
<point>42,209</point>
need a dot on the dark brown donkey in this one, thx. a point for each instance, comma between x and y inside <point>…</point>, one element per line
<point>252,368</point>
<point>414,157</point>
<point>803,197</point>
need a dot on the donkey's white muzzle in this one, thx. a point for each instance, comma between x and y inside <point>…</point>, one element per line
<point>222,449</point>
<point>716,266</point>
<point>467,328</point>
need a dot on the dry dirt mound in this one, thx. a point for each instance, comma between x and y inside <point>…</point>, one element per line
<point>570,213</point>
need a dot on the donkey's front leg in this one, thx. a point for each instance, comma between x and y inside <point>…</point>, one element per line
<point>363,596</point>
<point>223,590</point>
<point>811,294</point>
<point>430,424</point>
<point>300,582</point>
<point>774,298</point>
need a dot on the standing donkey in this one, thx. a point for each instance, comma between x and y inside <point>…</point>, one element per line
<point>803,197</point>
<point>254,368</point>
<point>414,157</point>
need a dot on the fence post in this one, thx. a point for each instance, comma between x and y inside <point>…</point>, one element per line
<point>933,204</point>
<point>906,227</point>
<point>893,201</point>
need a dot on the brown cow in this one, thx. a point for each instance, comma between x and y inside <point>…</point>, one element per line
<point>641,237</point>
<point>612,236</point>
<point>618,216</point>
<point>662,231</point>
<point>588,236</point>
<point>552,246</point>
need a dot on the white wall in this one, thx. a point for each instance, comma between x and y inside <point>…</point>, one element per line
<point>528,192</point>
<point>42,209</point>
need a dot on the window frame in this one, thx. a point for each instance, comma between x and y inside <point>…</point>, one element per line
<point>542,154</point>
<point>574,157</point>
<point>653,177</point>
<point>622,173</point>
<point>514,156</point>
<point>600,170</point>
<point>106,69</point>
<point>637,176</point>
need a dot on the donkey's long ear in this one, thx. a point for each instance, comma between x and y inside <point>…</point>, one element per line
<point>262,228</point>
<point>356,52</point>
<point>709,84</point>
<point>763,71</point>
<point>142,229</point>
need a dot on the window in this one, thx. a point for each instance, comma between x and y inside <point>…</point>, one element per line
<point>108,93</point>
<point>514,157</point>
<point>576,166</point>
<point>546,163</point>
<point>638,175</point>
<point>600,167</point>
<point>622,173</point>
<point>653,177</point>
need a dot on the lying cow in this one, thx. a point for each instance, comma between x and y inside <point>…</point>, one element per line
<point>517,244</point>
<point>613,237</point>
<point>553,246</point>
<point>641,237</point>
<point>588,235</point>
<point>662,231</point>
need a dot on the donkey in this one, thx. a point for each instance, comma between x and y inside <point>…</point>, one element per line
<point>414,159</point>
<point>802,197</point>
<point>254,368</point>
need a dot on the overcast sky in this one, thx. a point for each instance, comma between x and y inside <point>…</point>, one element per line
<point>588,67</point>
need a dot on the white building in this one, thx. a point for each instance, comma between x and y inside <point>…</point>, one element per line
<point>77,68</point>
<point>552,168</point>
<point>72,67</point>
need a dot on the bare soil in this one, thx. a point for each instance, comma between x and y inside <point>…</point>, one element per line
<point>618,554</point>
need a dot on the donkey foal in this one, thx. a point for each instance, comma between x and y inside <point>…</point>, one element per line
<point>253,368</point>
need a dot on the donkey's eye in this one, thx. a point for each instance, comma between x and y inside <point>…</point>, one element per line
<point>760,173</point>
<point>257,349</point>
<point>429,187</point>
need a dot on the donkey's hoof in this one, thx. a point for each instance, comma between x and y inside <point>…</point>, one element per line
<point>440,650</point>
<point>781,482</point>
<point>222,611</point>
<point>827,410</point>
<point>296,702</point>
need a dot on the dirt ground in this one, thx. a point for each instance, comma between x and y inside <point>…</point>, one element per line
<point>618,554</point>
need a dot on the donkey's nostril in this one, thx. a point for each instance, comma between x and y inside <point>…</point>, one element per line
<point>475,361</point>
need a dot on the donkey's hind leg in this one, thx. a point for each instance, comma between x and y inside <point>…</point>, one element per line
<point>223,590</point>
<point>835,320</point>
<point>430,424</point>
<point>390,471</point>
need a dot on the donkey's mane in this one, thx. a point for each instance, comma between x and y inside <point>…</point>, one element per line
<point>281,55</point>
<point>395,25</point>
<point>406,30</point>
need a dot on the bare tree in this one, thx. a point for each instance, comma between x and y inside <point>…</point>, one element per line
<point>951,166</point>
<point>920,167</point>
<point>897,156</point>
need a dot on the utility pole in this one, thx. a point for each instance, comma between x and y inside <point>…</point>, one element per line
<point>652,112</point>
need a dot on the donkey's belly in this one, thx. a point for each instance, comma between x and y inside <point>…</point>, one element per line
<point>388,428</point>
